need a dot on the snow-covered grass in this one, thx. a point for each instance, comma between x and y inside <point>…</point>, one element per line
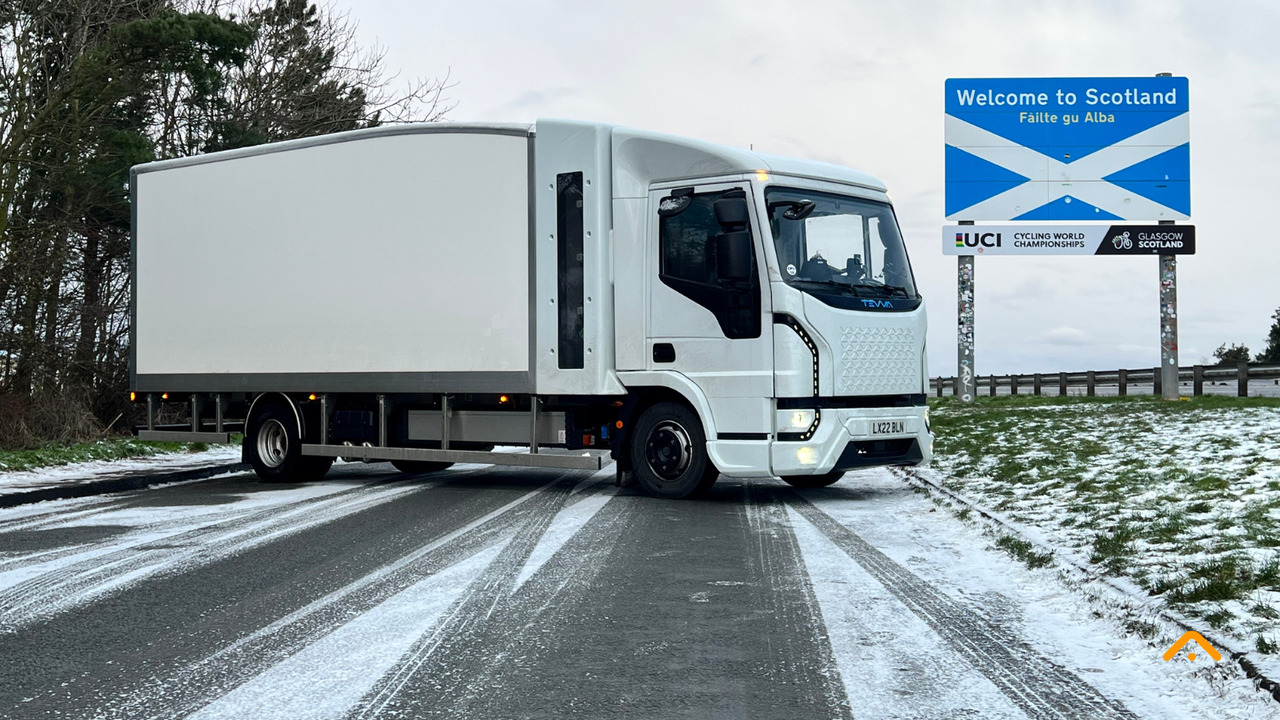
<point>117,448</point>
<point>1182,498</point>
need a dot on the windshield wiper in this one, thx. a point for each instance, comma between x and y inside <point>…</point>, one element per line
<point>825,284</point>
<point>887,289</point>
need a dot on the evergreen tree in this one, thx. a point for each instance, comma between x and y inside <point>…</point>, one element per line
<point>1231,355</point>
<point>1271,354</point>
<point>91,87</point>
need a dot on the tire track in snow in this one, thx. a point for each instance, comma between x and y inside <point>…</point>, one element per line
<point>608,627</point>
<point>55,519</point>
<point>193,686</point>
<point>467,618</point>
<point>805,658</point>
<point>60,514</point>
<point>1040,688</point>
<point>107,570</point>
<point>449,670</point>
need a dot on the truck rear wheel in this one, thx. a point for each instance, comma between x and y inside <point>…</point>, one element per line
<point>275,449</point>
<point>813,481</point>
<point>668,452</point>
<point>418,467</point>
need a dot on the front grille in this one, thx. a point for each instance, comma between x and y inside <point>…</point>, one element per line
<point>878,361</point>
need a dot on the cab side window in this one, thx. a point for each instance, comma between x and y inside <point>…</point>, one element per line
<point>687,245</point>
<point>688,242</point>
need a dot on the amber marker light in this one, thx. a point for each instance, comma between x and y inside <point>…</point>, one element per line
<point>312,396</point>
<point>502,399</point>
<point>133,396</point>
<point>762,176</point>
<point>164,396</point>
<point>618,424</point>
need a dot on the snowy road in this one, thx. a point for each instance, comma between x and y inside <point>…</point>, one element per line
<point>503,593</point>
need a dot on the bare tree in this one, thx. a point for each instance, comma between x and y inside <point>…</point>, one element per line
<point>90,87</point>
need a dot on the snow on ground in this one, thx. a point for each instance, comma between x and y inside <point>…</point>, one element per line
<point>146,541</point>
<point>1182,499</point>
<point>877,643</point>
<point>330,676</point>
<point>98,470</point>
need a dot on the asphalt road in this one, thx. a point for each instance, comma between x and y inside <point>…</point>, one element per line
<point>483,592</point>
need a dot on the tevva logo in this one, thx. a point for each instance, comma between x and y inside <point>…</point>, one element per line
<point>1188,637</point>
<point>976,239</point>
<point>878,303</point>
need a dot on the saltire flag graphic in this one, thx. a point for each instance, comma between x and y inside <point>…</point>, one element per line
<point>1068,149</point>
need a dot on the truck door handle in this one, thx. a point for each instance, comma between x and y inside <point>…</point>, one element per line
<point>664,353</point>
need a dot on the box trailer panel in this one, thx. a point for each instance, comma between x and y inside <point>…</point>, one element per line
<point>575,295</point>
<point>347,259</point>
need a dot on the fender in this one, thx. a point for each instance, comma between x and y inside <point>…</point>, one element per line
<point>680,384</point>
<point>248,419</point>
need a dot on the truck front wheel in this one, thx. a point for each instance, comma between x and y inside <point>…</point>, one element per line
<point>275,449</point>
<point>668,452</point>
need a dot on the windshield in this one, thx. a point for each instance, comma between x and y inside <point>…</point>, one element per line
<point>848,244</point>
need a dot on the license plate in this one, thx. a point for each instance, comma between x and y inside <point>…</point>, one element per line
<point>888,427</point>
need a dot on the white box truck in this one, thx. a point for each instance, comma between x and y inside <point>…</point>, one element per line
<point>422,293</point>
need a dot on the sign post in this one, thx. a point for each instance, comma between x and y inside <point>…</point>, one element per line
<point>1170,389</point>
<point>1098,150</point>
<point>966,382</point>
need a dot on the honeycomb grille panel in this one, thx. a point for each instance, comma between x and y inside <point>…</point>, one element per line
<point>878,361</point>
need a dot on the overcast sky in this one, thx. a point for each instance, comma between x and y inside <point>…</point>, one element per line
<point>861,84</point>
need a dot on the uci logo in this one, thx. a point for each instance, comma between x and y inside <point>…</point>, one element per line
<point>878,303</point>
<point>976,239</point>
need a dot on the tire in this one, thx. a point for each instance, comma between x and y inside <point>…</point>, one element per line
<point>668,452</point>
<point>314,467</point>
<point>813,481</point>
<point>275,448</point>
<point>418,467</point>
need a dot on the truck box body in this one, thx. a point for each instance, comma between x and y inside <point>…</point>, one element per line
<point>343,264</point>
<point>573,271</point>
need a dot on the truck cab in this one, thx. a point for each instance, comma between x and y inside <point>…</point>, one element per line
<point>809,359</point>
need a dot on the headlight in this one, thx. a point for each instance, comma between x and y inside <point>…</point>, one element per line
<point>795,420</point>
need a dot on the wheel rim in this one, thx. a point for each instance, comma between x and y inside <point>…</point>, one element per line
<point>273,443</point>
<point>669,450</point>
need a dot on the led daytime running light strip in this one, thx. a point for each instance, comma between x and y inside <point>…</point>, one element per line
<point>813,350</point>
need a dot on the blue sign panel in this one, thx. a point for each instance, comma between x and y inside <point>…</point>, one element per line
<point>1068,149</point>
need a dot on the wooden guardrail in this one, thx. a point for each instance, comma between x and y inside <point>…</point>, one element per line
<point>1091,380</point>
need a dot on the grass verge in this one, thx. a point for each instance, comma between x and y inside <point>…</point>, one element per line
<point>1181,497</point>
<point>121,448</point>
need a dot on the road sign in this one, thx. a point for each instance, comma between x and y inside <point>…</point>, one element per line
<point>1069,240</point>
<point>1068,149</point>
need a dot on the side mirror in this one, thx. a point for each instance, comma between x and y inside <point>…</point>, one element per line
<point>795,209</point>
<point>732,213</point>
<point>733,254</point>
<point>675,203</point>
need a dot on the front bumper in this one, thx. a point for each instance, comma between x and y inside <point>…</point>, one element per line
<point>844,440</point>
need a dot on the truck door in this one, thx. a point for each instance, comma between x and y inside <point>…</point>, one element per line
<point>715,330</point>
